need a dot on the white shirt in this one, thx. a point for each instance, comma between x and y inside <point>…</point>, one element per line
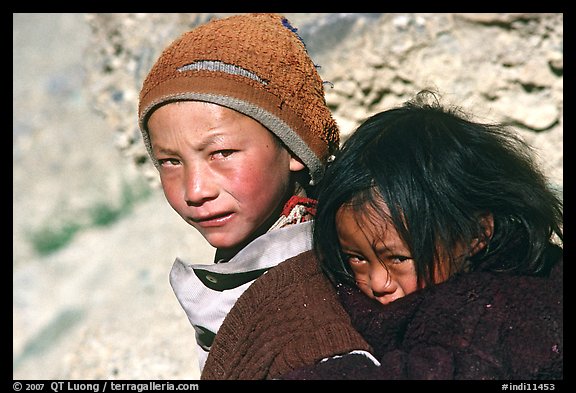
<point>208,292</point>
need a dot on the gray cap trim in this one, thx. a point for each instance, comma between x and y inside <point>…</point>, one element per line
<point>220,66</point>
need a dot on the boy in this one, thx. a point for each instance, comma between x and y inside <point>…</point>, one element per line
<point>234,117</point>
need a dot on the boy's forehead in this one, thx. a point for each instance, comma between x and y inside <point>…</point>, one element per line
<point>210,122</point>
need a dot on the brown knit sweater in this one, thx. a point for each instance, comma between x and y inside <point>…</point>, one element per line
<point>288,318</point>
<point>474,326</point>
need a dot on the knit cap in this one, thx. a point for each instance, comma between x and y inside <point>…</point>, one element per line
<point>255,64</point>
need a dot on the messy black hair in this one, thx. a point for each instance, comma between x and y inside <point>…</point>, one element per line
<point>438,172</point>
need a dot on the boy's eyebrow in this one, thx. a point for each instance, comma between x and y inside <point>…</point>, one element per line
<point>163,150</point>
<point>211,139</point>
<point>204,143</point>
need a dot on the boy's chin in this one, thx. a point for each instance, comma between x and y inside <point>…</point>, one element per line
<point>226,247</point>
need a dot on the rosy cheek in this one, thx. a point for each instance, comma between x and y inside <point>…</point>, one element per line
<point>170,190</point>
<point>364,286</point>
<point>362,279</point>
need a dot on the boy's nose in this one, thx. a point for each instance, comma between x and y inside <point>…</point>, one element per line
<point>199,185</point>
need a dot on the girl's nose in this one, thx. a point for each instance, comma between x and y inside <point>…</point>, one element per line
<point>381,282</point>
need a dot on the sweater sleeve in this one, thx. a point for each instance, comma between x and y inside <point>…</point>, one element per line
<point>431,363</point>
<point>352,366</point>
<point>288,318</point>
<point>422,362</point>
<point>477,326</point>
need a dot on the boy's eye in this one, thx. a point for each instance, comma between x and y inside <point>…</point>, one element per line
<point>168,161</point>
<point>223,153</point>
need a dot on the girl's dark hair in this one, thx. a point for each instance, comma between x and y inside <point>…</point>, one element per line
<point>438,172</point>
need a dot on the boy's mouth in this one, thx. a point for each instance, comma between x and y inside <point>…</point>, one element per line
<point>213,220</point>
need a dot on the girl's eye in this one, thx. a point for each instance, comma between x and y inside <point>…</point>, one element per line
<point>355,259</point>
<point>398,259</point>
<point>357,264</point>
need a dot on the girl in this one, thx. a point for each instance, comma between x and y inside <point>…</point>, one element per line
<point>444,242</point>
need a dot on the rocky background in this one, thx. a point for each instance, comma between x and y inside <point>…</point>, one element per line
<point>100,305</point>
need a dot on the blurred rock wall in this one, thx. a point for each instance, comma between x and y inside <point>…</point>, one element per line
<point>102,307</point>
<point>500,67</point>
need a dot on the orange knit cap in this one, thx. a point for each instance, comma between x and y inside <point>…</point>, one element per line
<point>257,65</point>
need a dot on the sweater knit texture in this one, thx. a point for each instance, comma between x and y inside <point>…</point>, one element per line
<point>475,326</point>
<point>289,317</point>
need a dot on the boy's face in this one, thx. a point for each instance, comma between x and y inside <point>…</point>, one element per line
<point>222,172</point>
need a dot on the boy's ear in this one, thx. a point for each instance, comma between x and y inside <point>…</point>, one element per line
<point>295,164</point>
<point>487,222</point>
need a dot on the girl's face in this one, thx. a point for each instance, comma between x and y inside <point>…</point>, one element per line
<point>222,172</point>
<point>381,262</point>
